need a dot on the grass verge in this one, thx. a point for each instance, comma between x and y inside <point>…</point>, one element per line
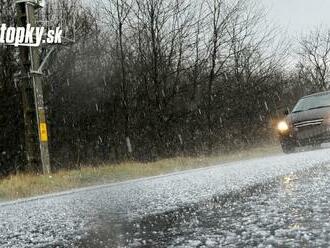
<point>26,185</point>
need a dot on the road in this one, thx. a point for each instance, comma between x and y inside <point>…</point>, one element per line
<point>280,200</point>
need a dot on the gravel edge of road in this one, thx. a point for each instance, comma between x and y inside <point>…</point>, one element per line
<point>101,186</point>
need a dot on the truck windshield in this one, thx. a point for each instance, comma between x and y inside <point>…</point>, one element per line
<point>312,102</point>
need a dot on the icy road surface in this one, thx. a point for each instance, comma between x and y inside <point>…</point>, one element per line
<point>278,200</point>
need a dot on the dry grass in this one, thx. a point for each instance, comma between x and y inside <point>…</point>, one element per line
<point>26,185</point>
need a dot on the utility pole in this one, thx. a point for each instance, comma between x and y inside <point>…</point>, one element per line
<point>36,136</point>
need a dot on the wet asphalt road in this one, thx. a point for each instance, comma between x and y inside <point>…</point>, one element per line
<point>276,201</point>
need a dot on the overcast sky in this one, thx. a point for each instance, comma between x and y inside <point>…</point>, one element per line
<point>295,16</point>
<point>298,16</point>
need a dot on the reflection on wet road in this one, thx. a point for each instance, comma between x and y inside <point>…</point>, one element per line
<point>277,200</point>
<point>291,211</point>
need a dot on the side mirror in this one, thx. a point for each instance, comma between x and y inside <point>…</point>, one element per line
<point>286,112</point>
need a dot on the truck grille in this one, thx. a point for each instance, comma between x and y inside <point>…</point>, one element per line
<point>308,123</point>
<point>309,129</point>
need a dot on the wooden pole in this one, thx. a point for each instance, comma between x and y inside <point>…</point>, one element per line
<point>36,136</point>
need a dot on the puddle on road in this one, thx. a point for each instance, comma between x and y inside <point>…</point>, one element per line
<point>289,211</point>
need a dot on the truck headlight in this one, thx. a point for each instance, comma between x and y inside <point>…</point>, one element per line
<point>282,126</point>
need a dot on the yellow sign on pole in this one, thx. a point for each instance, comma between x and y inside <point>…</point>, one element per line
<point>43,132</point>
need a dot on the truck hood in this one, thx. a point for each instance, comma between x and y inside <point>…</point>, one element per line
<point>308,115</point>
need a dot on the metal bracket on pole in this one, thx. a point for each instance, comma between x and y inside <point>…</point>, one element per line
<point>36,3</point>
<point>36,73</point>
<point>34,110</point>
<point>32,90</point>
<point>45,60</point>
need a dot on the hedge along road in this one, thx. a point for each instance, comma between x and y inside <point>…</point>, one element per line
<point>130,213</point>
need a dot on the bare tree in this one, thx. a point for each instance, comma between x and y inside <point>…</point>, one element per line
<point>220,14</point>
<point>116,14</point>
<point>11,116</point>
<point>314,59</point>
